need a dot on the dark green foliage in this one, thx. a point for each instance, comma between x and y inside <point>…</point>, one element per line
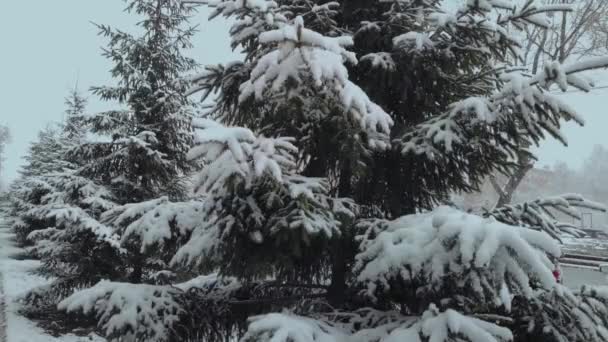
<point>557,316</point>
<point>145,154</point>
<point>413,86</point>
<point>309,233</point>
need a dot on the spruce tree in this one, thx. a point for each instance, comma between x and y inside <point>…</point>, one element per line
<point>138,154</point>
<point>74,125</point>
<point>56,220</point>
<point>335,233</point>
<point>5,138</point>
<point>148,140</point>
<point>44,157</point>
<point>144,156</point>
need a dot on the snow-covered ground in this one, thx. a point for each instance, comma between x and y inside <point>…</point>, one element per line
<point>575,277</point>
<point>17,278</point>
<point>586,246</point>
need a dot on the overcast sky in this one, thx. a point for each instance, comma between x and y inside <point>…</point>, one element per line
<point>48,45</point>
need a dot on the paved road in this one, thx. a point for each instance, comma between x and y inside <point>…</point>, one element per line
<point>575,277</point>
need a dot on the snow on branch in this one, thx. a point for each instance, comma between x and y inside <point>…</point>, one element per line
<point>529,12</point>
<point>215,286</point>
<point>76,218</point>
<point>156,221</point>
<point>433,325</point>
<point>542,213</point>
<point>45,242</point>
<point>491,19</point>
<point>286,327</point>
<point>81,191</point>
<point>252,17</point>
<point>255,197</point>
<point>600,292</point>
<point>482,254</point>
<point>485,5</point>
<point>110,121</point>
<point>564,75</point>
<point>128,311</point>
<point>520,100</point>
<point>533,13</point>
<point>567,316</point>
<point>307,58</point>
<point>439,326</point>
<point>234,156</point>
<point>235,152</point>
<point>231,6</point>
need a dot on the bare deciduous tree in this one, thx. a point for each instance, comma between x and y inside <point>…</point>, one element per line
<point>576,34</point>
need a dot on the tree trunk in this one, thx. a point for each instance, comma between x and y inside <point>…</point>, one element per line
<point>137,275</point>
<point>541,46</point>
<point>562,43</point>
<point>337,288</point>
<point>339,244</point>
<point>505,195</point>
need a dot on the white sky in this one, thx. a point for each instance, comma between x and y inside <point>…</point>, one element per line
<point>46,46</point>
<point>593,107</point>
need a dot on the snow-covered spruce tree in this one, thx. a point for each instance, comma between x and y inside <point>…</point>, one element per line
<point>75,249</point>
<point>254,201</point>
<point>5,138</point>
<point>405,50</point>
<point>44,157</point>
<point>57,212</point>
<point>144,156</point>
<point>393,105</point>
<point>74,125</point>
